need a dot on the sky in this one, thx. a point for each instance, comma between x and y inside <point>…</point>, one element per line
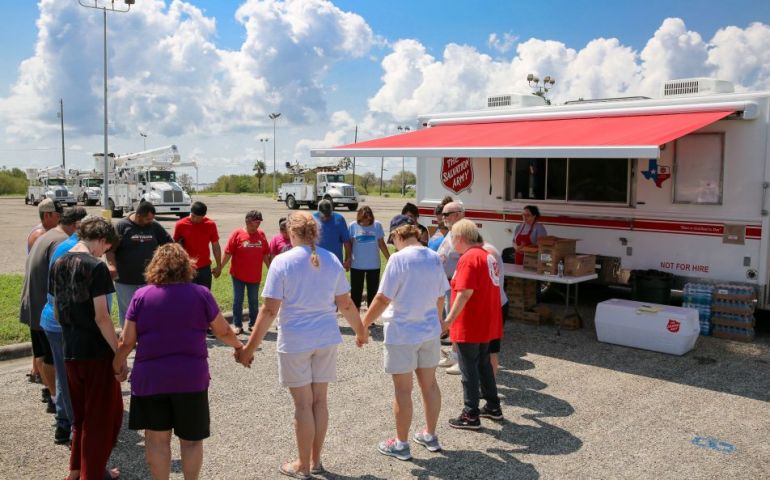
<point>205,74</point>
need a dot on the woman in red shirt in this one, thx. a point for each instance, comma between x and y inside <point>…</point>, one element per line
<point>248,247</point>
<point>473,321</point>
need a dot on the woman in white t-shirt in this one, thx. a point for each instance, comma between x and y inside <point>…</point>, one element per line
<point>308,285</point>
<point>411,302</point>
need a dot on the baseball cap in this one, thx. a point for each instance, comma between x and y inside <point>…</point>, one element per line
<point>49,206</point>
<point>401,220</point>
<point>325,208</point>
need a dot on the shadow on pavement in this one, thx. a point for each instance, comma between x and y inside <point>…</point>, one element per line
<point>490,465</point>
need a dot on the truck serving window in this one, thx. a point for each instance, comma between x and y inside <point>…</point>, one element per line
<point>698,168</point>
<point>601,180</point>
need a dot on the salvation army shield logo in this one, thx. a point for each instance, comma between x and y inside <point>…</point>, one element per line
<point>457,173</point>
<point>673,326</point>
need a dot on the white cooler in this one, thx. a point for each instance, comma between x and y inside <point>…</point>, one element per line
<point>660,328</point>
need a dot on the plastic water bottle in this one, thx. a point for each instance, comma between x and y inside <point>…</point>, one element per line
<point>561,268</point>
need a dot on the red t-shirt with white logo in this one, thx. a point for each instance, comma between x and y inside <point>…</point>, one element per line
<point>481,319</point>
<point>248,251</point>
<point>195,238</point>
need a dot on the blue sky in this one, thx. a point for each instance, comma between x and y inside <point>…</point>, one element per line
<point>194,74</point>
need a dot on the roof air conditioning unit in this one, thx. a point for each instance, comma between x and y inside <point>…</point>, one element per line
<point>696,87</point>
<point>515,100</point>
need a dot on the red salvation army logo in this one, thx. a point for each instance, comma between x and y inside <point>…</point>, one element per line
<point>673,326</point>
<point>457,173</point>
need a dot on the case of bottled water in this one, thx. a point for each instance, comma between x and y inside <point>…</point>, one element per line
<point>699,296</point>
<point>660,328</point>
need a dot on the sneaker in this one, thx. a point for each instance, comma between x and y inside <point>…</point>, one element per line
<point>61,436</point>
<point>465,422</point>
<point>445,339</point>
<point>427,440</point>
<point>389,448</point>
<point>491,413</point>
<point>51,407</point>
<point>449,360</point>
<point>454,369</point>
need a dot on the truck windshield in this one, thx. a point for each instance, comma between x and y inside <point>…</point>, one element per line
<point>56,181</point>
<point>161,176</point>
<point>338,178</point>
<point>93,182</point>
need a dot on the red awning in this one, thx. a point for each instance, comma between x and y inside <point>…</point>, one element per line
<point>631,136</point>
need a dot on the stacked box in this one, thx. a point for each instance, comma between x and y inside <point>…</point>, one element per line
<point>579,265</point>
<point>552,250</point>
<point>699,296</point>
<point>522,293</point>
<point>732,311</point>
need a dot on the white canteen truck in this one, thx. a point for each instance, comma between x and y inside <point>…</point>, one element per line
<point>329,185</point>
<point>149,175</point>
<point>677,183</point>
<point>50,182</point>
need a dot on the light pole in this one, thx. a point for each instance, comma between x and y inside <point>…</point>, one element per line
<point>404,129</point>
<point>61,116</point>
<point>104,7</point>
<point>264,141</point>
<point>274,117</point>
<point>144,139</point>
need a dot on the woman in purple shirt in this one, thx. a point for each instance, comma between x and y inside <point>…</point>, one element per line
<point>170,378</point>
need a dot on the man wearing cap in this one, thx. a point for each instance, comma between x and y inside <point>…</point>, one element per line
<point>139,235</point>
<point>453,212</point>
<point>34,293</point>
<point>334,233</point>
<point>49,212</point>
<point>248,247</point>
<point>195,233</point>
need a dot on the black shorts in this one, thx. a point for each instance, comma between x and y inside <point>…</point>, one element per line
<point>494,345</point>
<point>40,346</point>
<point>186,413</point>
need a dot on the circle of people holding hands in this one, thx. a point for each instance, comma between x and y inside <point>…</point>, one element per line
<point>432,286</point>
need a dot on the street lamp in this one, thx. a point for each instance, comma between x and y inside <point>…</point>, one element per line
<point>61,117</point>
<point>144,139</point>
<point>104,7</point>
<point>274,117</point>
<point>404,129</point>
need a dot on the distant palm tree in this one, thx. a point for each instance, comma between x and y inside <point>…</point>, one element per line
<point>259,172</point>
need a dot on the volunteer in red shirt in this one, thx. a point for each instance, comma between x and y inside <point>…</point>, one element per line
<point>248,247</point>
<point>195,233</point>
<point>473,321</point>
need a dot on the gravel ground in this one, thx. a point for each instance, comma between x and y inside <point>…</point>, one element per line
<point>227,210</point>
<point>574,408</point>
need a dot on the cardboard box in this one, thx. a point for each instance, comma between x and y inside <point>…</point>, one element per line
<point>579,265</point>
<point>733,336</point>
<point>551,250</point>
<point>570,322</point>
<point>531,261</point>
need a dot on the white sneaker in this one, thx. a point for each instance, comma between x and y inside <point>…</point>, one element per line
<point>454,369</point>
<point>449,360</point>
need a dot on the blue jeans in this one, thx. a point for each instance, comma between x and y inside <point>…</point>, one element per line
<point>125,293</point>
<point>203,277</point>
<point>252,292</point>
<point>63,403</point>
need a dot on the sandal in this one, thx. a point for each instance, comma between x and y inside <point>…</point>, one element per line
<point>318,470</point>
<point>288,470</point>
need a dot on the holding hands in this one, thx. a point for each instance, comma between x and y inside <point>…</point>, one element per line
<point>243,357</point>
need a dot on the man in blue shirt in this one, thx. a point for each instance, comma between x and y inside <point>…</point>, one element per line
<point>334,233</point>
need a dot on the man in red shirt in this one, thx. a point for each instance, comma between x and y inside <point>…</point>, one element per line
<point>195,233</point>
<point>248,247</point>
<point>473,321</point>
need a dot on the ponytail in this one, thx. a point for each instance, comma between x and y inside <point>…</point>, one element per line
<point>314,257</point>
<point>304,227</point>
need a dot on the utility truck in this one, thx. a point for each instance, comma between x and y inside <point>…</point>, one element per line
<point>149,175</point>
<point>678,183</point>
<point>50,182</point>
<point>87,186</point>
<point>329,185</point>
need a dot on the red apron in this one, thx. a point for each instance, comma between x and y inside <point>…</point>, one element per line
<point>522,240</point>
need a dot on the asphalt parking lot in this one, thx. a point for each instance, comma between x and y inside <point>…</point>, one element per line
<point>574,408</point>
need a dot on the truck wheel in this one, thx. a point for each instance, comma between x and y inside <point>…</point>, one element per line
<point>26,200</point>
<point>33,201</point>
<point>85,199</point>
<point>115,213</point>
<point>312,205</point>
<point>291,202</point>
<point>353,207</point>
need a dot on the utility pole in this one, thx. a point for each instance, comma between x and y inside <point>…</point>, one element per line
<point>355,140</point>
<point>61,117</point>
<point>274,117</point>
<point>144,139</point>
<point>403,177</point>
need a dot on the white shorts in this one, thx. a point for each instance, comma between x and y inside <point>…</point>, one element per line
<point>304,368</point>
<point>408,358</point>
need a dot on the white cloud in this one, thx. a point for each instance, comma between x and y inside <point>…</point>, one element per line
<point>502,44</point>
<point>167,75</point>
<point>742,56</point>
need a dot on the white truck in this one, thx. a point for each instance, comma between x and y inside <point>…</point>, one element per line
<point>678,183</point>
<point>149,175</point>
<point>87,186</point>
<point>50,182</point>
<point>329,185</point>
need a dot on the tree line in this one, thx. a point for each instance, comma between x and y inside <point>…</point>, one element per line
<point>13,181</point>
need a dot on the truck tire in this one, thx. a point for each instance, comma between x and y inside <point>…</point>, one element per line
<point>115,213</point>
<point>312,205</point>
<point>33,201</point>
<point>353,207</point>
<point>85,200</point>
<point>26,200</point>
<point>291,202</point>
